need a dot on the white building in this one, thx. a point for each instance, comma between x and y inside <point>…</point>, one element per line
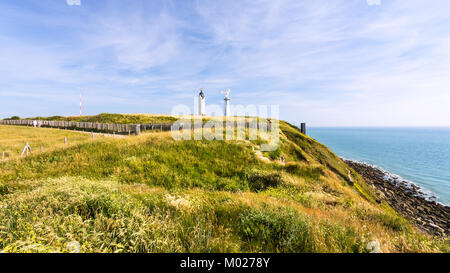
<point>201,103</point>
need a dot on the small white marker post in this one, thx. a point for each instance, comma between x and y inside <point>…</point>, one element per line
<point>65,140</point>
<point>26,149</point>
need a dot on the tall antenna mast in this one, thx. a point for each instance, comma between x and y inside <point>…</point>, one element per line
<point>80,102</point>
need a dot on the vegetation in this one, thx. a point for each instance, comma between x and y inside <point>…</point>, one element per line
<point>14,138</point>
<point>150,193</point>
<point>114,118</point>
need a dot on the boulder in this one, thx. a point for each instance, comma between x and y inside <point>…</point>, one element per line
<point>374,247</point>
<point>73,247</point>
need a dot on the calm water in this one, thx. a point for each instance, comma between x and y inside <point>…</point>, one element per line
<point>420,155</point>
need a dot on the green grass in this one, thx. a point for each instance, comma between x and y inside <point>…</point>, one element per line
<point>152,194</point>
<point>308,149</point>
<point>14,138</point>
<point>114,118</point>
<point>155,161</point>
<point>104,218</point>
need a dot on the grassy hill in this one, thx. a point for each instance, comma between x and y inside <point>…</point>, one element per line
<point>150,193</point>
<point>114,118</point>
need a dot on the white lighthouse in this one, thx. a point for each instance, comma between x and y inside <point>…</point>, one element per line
<point>201,103</point>
<point>227,102</point>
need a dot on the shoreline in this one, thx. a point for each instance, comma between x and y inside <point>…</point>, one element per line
<point>407,199</point>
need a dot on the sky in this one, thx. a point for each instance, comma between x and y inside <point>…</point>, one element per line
<point>326,63</point>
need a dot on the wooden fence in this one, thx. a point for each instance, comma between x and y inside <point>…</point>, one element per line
<point>123,129</point>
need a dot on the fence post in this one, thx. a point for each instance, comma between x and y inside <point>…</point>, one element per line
<point>26,149</point>
<point>303,128</point>
<point>137,129</point>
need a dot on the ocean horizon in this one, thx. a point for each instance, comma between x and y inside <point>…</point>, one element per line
<point>419,155</point>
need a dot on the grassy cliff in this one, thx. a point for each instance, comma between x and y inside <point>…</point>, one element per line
<point>150,193</point>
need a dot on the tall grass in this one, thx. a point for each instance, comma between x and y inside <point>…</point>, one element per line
<point>14,138</point>
<point>153,194</point>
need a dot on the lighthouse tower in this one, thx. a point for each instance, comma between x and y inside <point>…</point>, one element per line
<point>201,103</point>
<point>227,102</point>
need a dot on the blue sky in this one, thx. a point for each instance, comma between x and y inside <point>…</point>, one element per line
<point>329,63</point>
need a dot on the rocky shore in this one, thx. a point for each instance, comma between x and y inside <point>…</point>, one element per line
<point>407,199</point>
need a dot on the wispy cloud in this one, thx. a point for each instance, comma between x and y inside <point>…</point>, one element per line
<point>328,63</point>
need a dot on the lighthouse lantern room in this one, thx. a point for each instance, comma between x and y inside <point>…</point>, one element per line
<point>201,103</point>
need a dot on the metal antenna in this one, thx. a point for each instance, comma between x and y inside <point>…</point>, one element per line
<point>80,102</point>
<point>227,101</point>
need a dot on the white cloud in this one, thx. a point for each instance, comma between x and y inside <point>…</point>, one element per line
<point>373,2</point>
<point>330,63</point>
<point>138,42</point>
<point>73,2</point>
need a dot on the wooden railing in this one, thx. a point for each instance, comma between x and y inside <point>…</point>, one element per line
<point>91,126</point>
<point>123,129</point>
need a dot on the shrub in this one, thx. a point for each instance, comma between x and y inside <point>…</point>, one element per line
<point>342,239</point>
<point>393,222</point>
<point>276,230</point>
<point>259,181</point>
<point>228,184</point>
<point>310,172</point>
<point>275,154</point>
<point>4,190</point>
<point>291,192</point>
<point>292,167</point>
<point>90,207</point>
<point>285,230</point>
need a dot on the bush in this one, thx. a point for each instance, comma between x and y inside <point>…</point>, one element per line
<point>284,230</point>
<point>259,181</point>
<point>4,190</point>
<point>292,167</point>
<point>89,207</point>
<point>311,172</point>
<point>228,184</point>
<point>393,222</point>
<point>276,230</point>
<point>275,154</point>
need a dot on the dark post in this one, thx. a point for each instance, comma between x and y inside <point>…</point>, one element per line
<point>303,128</point>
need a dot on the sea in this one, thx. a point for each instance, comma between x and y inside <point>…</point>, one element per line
<point>417,155</point>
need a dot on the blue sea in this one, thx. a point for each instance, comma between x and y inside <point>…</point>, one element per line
<point>418,155</point>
